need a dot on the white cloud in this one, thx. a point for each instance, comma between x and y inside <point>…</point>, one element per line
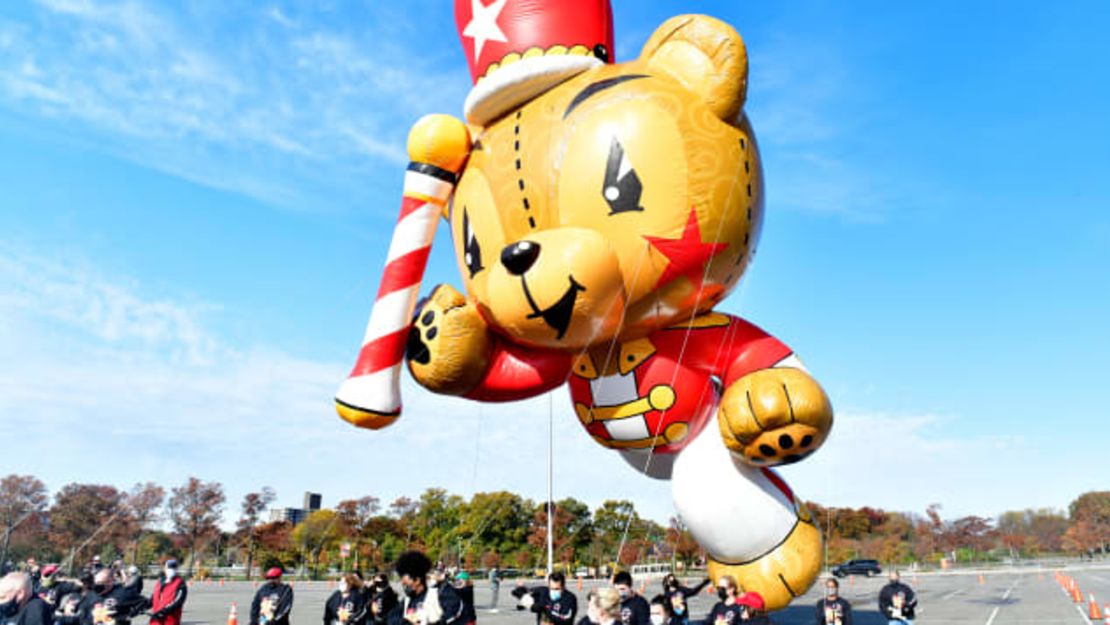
<point>273,99</point>
<point>101,382</point>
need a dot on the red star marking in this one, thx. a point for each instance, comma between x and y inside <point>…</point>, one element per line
<point>688,255</point>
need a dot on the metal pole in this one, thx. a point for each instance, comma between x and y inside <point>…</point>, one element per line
<point>550,485</point>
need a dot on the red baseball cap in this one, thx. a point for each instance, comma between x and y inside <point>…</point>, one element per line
<point>274,573</point>
<point>752,600</point>
<point>49,570</point>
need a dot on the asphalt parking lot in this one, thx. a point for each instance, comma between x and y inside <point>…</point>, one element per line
<point>1025,597</point>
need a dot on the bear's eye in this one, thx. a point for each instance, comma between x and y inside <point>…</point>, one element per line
<point>622,186</point>
<point>472,252</point>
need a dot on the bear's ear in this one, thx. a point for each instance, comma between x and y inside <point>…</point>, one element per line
<point>707,56</point>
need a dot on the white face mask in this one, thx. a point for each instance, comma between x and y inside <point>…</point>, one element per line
<point>170,573</point>
<point>656,619</point>
<point>342,586</point>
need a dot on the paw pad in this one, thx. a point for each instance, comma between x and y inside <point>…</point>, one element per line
<point>780,446</point>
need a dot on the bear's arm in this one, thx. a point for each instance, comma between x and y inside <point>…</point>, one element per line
<point>517,372</point>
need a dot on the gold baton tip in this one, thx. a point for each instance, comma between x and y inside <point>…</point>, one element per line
<point>440,140</point>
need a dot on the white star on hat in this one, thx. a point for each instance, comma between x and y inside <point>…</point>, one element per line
<point>483,25</point>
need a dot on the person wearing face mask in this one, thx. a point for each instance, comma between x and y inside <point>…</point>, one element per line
<point>726,611</point>
<point>116,604</point>
<point>168,599</point>
<point>672,587</point>
<point>76,608</point>
<point>680,614</point>
<point>424,604</point>
<point>347,605</point>
<point>465,588</point>
<point>273,602</point>
<point>754,609</point>
<point>52,588</point>
<point>555,601</point>
<point>833,609</point>
<point>897,601</point>
<point>634,608</point>
<point>661,611</point>
<point>381,599</point>
<point>18,603</point>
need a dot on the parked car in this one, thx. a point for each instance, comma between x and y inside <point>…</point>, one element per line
<point>857,567</point>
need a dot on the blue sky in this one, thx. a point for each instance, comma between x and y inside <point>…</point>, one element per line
<point>197,198</point>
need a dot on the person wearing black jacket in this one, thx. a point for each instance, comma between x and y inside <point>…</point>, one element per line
<point>726,611</point>
<point>465,588</point>
<point>897,601</point>
<point>273,601</point>
<point>118,604</point>
<point>559,604</point>
<point>424,604</point>
<point>18,603</point>
<point>634,608</point>
<point>347,605</point>
<point>672,587</point>
<point>76,608</point>
<point>381,600</point>
<point>133,580</point>
<point>833,609</point>
<point>51,589</point>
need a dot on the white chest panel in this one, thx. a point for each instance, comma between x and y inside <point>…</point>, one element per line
<point>614,390</point>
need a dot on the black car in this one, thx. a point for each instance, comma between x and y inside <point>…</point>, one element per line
<point>857,567</point>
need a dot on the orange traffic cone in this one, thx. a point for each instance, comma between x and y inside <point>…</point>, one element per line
<point>1106,611</point>
<point>1076,596</point>
<point>221,582</point>
<point>982,580</point>
<point>233,616</point>
<point>1093,612</point>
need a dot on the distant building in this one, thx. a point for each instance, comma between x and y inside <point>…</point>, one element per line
<point>296,515</point>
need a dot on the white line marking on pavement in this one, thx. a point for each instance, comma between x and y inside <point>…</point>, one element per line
<point>952,594</point>
<point>1005,596</point>
<point>1098,579</point>
<point>1079,608</point>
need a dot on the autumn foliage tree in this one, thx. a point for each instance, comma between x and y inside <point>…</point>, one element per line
<point>144,503</point>
<point>1090,522</point>
<point>195,509</point>
<point>87,516</point>
<point>22,499</point>
<point>254,504</point>
<point>316,535</point>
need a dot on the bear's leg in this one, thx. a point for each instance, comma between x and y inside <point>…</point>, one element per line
<point>748,521</point>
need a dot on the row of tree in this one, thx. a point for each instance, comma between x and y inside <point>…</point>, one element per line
<point>928,538</point>
<point>146,523</point>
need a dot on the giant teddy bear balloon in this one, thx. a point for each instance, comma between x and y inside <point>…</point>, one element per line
<point>599,214</point>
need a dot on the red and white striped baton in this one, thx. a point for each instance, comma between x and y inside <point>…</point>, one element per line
<point>438,146</point>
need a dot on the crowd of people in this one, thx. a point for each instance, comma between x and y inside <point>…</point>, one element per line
<point>430,595</point>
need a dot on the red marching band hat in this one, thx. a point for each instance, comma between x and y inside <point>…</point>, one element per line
<point>517,49</point>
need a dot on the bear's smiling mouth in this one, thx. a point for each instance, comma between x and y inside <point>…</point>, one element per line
<point>557,316</point>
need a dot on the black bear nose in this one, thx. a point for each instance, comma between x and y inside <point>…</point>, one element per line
<point>520,256</point>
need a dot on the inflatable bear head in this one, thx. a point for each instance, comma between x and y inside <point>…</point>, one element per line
<point>619,202</point>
